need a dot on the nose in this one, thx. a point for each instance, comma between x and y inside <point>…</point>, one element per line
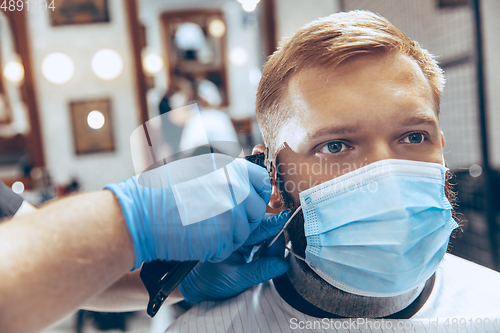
<point>379,150</point>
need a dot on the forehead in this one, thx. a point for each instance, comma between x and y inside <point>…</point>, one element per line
<point>383,87</point>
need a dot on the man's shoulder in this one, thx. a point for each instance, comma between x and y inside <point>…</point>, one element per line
<point>462,289</point>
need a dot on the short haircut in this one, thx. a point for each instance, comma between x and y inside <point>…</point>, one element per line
<point>325,43</point>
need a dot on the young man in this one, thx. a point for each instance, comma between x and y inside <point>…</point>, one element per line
<point>347,96</point>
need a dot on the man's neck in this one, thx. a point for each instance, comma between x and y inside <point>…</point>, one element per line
<point>324,296</point>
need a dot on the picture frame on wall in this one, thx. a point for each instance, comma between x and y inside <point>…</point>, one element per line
<point>188,66</point>
<point>92,126</point>
<point>69,12</point>
<point>5,110</point>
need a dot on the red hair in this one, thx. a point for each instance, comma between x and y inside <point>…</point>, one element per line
<point>327,42</point>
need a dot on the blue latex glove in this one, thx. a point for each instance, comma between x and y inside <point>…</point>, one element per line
<point>153,212</point>
<point>208,281</point>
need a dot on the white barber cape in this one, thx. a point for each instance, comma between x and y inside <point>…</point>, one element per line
<point>462,289</point>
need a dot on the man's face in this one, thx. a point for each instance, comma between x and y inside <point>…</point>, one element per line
<point>370,108</point>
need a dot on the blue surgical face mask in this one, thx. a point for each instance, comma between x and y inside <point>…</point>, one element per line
<point>380,230</point>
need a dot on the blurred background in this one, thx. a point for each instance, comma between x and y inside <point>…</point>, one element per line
<point>79,76</point>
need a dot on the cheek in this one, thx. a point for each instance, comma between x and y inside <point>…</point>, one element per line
<point>291,184</point>
<point>302,176</point>
<point>432,154</point>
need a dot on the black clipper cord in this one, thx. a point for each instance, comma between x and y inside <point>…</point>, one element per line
<point>161,277</point>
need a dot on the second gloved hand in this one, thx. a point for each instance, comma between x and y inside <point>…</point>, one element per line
<point>186,210</point>
<point>209,281</point>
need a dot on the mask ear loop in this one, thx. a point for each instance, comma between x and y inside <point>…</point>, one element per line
<point>283,229</point>
<point>285,226</point>
<point>269,166</point>
<point>293,253</point>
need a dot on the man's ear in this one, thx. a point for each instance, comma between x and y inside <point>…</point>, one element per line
<point>276,201</point>
<point>443,141</point>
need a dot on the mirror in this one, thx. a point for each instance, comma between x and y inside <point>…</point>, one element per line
<point>195,42</point>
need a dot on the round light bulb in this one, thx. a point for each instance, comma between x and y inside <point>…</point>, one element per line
<point>239,56</point>
<point>95,119</point>
<point>107,64</point>
<point>217,28</point>
<point>475,170</point>
<point>249,6</point>
<point>152,63</point>
<point>58,68</point>
<point>13,71</point>
<point>18,187</point>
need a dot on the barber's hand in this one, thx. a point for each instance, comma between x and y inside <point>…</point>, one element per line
<point>153,210</point>
<point>208,281</point>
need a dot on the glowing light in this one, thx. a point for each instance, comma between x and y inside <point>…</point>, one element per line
<point>95,119</point>
<point>58,68</point>
<point>13,71</point>
<point>152,63</point>
<point>239,56</point>
<point>18,187</point>
<point>475,170</point>
<point>249,5</point>
<point>107,64</point>
<point>217,28</point>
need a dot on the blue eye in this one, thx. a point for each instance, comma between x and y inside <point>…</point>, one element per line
<point>414,138</point>
<point>333,147</point>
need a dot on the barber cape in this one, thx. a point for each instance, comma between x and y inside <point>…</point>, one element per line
<point>462,289</point>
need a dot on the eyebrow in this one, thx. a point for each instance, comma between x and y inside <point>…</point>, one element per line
<point>412,121</point>
<point>419,120</point>
<point>334,130</point>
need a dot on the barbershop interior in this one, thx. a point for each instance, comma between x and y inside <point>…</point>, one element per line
<point>79,77</point>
